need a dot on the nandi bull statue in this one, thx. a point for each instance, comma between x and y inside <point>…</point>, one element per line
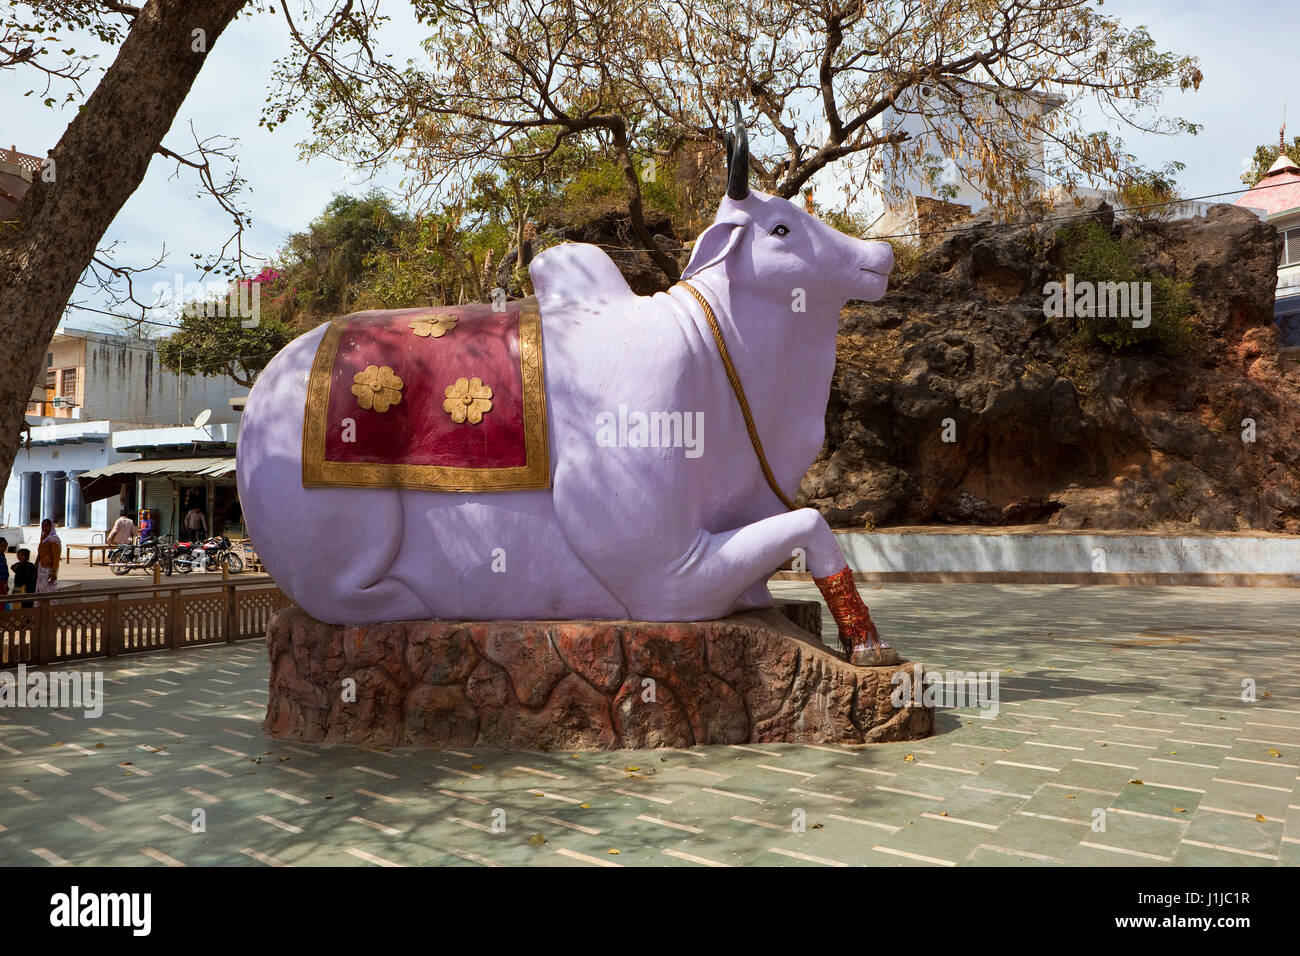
<point>589,453</point>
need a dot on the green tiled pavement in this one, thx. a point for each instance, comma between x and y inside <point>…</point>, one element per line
<point>1121,737</point>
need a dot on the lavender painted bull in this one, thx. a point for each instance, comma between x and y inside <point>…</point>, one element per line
<point>649,533</point>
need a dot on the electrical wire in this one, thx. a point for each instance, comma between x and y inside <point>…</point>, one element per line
<point>218,359</point>
<point>1006,225</point>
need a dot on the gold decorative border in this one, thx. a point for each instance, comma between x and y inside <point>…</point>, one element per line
<point>534,473</point>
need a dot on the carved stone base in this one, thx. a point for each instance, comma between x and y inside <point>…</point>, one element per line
<point>577,685</point>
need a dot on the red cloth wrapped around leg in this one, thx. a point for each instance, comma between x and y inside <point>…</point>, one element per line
<point>859,638</point>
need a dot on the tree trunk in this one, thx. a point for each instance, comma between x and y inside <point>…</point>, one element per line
<point>100,161</point>
<point>636,211</point>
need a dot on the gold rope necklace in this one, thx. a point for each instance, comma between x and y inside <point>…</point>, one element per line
<point>739,391</point>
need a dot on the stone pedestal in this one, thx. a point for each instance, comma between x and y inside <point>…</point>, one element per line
<point>577,685</point>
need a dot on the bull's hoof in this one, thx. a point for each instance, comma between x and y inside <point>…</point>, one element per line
<point>867,656</point>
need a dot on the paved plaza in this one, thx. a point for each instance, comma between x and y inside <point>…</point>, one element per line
<point>1120,737</point>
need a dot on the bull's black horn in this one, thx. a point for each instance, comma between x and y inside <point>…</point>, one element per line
<point>738,158</point>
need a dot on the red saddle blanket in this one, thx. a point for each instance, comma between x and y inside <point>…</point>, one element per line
<point>438,399</point>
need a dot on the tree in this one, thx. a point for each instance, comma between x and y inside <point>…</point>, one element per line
<point>216,340</point>
<point>1266,155</point>
<point>828,79</point>
<point>97,164</point>
<point>324,263</point>
<point>520,80</point>
<point>527,81</point>
<point>52,242</point>
<point>1153,198</point>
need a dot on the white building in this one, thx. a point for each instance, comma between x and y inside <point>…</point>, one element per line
<point>942,176</point>
<point>39,486</point>
<point>104,401</point>
<point>1277,194</point>
<point>168,471</point>
<point>922,114</point>
<point>938,193</point>
<point>117,377</point>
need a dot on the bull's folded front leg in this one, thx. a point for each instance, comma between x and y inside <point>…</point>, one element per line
<point>718,567</point>
<point>705,580</point>
<point>859,638</point>
<point>704,573</point>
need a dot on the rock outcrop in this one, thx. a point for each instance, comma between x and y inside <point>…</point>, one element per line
<point>1044,431</point>
<point>577,685</point>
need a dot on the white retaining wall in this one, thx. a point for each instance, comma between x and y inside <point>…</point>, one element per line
<point>968,551</point>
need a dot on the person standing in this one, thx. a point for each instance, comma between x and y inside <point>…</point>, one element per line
<point>4,570</point>
<point>24,575</point>
<point>194,522</point>
<point>48,555</point>
<point>123,529</point>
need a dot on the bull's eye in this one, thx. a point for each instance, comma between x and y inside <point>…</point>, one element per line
<point>780,229</point>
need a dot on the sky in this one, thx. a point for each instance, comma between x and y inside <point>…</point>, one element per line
<point>1246,51</point>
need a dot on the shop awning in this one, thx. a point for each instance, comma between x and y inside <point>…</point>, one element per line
<point>107,481</point>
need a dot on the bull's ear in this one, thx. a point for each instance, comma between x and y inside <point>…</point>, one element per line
<point>713,245</point>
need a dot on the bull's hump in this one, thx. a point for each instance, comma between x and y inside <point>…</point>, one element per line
<point>576,273</point>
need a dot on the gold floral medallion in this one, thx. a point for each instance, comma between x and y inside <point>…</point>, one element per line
<point>377,387</point>
<point>467,400</point>
<point>435,326</point>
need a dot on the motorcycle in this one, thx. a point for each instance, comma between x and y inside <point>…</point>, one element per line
<point>219,551</point>
<point>137,555</point>
<point>187,556</point>
<point>209,555</point>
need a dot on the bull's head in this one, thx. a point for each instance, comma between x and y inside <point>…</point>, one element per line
<point>770,246</point>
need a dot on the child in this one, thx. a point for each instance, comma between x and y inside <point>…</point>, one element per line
<point>24,575</point>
